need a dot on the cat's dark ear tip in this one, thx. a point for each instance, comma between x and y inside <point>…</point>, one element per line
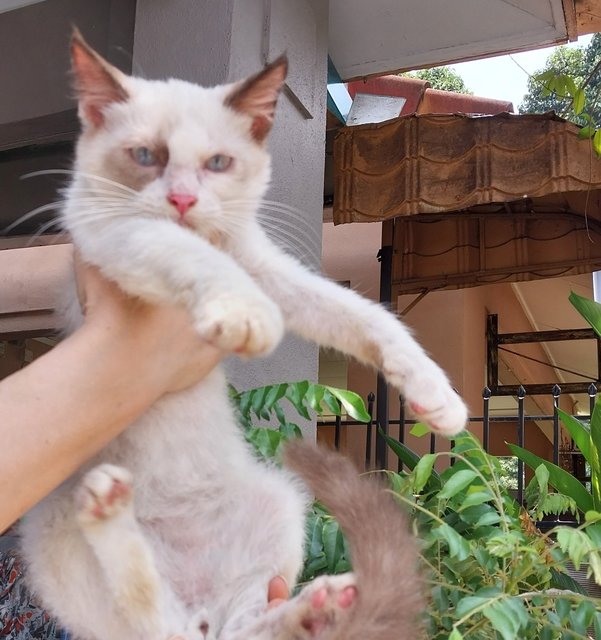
<point>280,62</point>
<point>76,36</point>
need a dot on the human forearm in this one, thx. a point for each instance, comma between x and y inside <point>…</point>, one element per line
<point>64,407</point>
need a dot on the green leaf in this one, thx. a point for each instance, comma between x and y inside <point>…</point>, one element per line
<point>420,429</point>
<point>314,397</point>
<point>474,498</point>
<point>580,434</point>
<point>563,607</point>
<point>503,545</point>
<point>507,617</point>
<point>570,86</point>
<point>458,546</point>
<point>296,394</point>
<point>597,142</point>
<point>575,543</point>
<point>409,458</point>
<point>579,100</point>
<point>456,483</point>
<point>455,635</point>
<point>586,132</point>
<point>276,392</point>
<point>597,625</point>
<point>332,543</point>
<point>331,402</point>
<point>588,309</point>
<point>564,581</point>
<point>595,449</point>
<point>258,395</point>
<point>469,603</point>
<point>423,471</point>
<point>353,403</point>
<point>492,517</point>
<point>595,565</point>
<point>558,478</point>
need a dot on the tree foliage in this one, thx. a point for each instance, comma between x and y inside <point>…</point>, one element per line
<point>443,78</point>
<point>548,90</point>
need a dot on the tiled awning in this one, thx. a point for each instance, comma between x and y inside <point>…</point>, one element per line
<point>474,199</point>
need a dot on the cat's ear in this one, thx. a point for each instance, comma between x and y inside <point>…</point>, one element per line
<point>257,96</point>
<point>97,83</point>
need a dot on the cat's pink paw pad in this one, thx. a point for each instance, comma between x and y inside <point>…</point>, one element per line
<point>327,599</point>
<point>104,492</point>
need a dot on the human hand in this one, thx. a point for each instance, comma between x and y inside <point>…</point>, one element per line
<point>158,341</point>
<point>277,592</point>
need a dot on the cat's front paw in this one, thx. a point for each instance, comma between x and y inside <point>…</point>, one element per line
<point>104,492</point>
<point>324,602</point>
<point>430,396</point>
<point>247,324</point>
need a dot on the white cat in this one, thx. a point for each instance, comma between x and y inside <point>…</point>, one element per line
<point>175,529</point>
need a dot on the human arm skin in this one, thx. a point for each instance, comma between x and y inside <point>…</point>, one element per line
<point>64,407</point>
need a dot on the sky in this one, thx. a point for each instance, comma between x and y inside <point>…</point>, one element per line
<point>502,77</point>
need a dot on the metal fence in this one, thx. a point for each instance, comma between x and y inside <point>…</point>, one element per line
<point>564,451</point>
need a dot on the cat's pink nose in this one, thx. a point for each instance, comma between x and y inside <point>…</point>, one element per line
<point>182,201</point>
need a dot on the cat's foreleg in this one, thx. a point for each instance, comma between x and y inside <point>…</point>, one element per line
<point>107,520</point>
<point>161,262</point>
<point>324,312</point>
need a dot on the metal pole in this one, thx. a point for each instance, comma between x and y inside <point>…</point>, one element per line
<point>485,419</point>
<point>370,409</point>
<point>556,393</point>
<point>401,426</point>
<point>385,258</point>
<point>521,422</point>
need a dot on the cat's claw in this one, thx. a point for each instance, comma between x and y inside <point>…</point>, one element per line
<point>104,492</point>
<point>242,324</point>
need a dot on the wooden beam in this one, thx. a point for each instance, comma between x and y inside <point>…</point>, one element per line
<point>569,12</point>
<point>55,127</point>
<point>588,16</point>
<point>546,336</point>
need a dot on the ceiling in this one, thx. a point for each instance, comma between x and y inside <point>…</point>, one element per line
<point>372,38</point>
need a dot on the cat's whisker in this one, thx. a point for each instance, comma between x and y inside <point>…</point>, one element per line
<point>309,241</point>
<point>40,232</point>
<point>99,191</point>
<point>99,215</point>
<point>31,214</point>
<point>313,235</point>
<point>83,174</point>
<point>285,214</point>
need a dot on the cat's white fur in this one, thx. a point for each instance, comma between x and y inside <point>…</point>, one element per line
<point>191,555</point>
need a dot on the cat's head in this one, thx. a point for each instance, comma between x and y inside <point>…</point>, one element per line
<point>180,151</point>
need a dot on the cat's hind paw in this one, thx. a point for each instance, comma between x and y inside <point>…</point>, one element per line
<point>104,492</point>
<point>325,601</point>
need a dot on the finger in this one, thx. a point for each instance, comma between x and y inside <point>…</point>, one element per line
<point>277,590</point>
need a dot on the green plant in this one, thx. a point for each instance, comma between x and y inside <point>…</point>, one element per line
<point>586,435</point>
<point>491,573</point>
<point>262,413</point>
<point>570,84</point>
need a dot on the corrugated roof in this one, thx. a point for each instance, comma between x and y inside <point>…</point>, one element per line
<point>421,98</point>
<point>474,199</point>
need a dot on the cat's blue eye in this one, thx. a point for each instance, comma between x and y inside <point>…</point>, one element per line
<point>218,163</point>
<point>144,156</point>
